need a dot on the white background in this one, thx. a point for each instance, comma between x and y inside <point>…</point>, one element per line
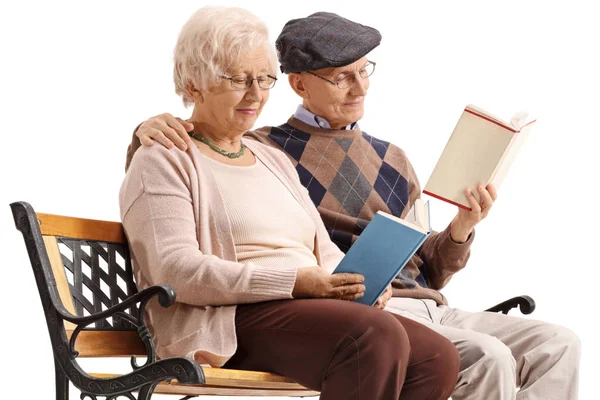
<point>77,77</point>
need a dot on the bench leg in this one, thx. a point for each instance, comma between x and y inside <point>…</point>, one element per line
<point>62,382</point>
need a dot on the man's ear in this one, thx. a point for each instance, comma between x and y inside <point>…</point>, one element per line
<point>297,83</point>
<point>195,94</point>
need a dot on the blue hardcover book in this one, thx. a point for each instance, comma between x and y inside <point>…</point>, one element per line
<point>384,248</point>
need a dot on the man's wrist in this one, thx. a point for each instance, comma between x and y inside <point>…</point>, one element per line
<point>459,233</point>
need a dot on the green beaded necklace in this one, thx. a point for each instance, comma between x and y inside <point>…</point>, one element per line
<point>218,150</point>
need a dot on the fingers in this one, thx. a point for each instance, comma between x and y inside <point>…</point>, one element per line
<point>177,131</point>
<point>345,278</point>
<point>188,126</point>
<point>166,130</point>
<point>347,291</point>
<point>492,190</point>
<point>146,141</point>
<point>150,135</point>
<point>389,294</point>
<point>385,297</point>
<point>160,137</point>
<point>351,297</point>
<point>175,137</point>
<point>486,198</point>
<point>475,207</point>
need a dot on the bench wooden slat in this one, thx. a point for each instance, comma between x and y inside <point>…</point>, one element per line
<point>226,379</point>
<point>253,379</point>
<point>60,277</point>
<point>88,229</point>
<point>108,344</point>
<point>127,343</point>
<point>187,390</point>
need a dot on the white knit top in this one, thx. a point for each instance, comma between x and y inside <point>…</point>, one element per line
<point>269,227</point>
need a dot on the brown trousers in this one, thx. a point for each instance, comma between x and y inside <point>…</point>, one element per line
<point>345,350</point>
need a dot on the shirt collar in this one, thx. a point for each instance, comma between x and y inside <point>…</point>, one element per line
<point>314,120</point>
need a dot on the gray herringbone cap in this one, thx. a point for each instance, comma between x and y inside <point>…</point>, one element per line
<point>323,40</point>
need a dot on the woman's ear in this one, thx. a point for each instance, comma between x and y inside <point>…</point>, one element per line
<point>298,85</point>
<point>195,94</point>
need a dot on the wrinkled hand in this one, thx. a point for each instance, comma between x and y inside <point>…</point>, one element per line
<point>384,298</point>
<point>464,222</point>
<point>166,130</point>
<point>314,282</point>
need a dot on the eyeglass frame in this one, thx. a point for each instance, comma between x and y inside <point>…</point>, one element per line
<point>355,80</point>
<point>250,82</point>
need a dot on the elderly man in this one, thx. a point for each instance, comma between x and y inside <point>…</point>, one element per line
<point>351,175</point>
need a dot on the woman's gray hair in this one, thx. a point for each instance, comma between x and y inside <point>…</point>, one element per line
<point>213,40</point>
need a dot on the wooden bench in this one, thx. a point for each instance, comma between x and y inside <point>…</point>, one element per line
<point>92,308</point>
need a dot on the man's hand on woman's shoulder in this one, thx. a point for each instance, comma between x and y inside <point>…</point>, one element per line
<point>166,130</point>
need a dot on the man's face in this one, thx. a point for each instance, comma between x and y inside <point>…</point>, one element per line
<point>339,106</point>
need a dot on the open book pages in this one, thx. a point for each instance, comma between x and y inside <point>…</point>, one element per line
<point>517,122</point>
<point>416,218</point>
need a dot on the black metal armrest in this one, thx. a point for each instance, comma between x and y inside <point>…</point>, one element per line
<point>145,377</point>
<point>166,298</point>
<point>525,303</point>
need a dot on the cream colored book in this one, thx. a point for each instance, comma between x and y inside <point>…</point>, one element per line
<point>480,151</point>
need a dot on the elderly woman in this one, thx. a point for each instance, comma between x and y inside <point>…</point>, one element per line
<point>228,224</point>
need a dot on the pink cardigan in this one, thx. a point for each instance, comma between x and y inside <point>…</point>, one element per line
<point>179,234</point>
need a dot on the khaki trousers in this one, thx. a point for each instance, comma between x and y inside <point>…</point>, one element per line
<point>500,353</point>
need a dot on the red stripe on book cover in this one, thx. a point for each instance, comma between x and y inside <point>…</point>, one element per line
<point>498,123</point>
<point>447,200</point>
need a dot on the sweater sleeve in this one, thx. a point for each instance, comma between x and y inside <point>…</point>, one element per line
<point>132,148</point>
<point>159,219</point>
<point>442,256</point>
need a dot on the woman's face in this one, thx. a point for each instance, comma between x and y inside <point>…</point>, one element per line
<point>236,110</point>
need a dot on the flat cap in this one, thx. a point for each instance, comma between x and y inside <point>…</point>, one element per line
<point>323,40</point>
